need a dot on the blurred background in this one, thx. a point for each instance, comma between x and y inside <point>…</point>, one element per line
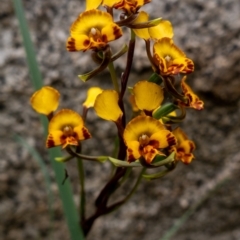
<point>209,33</point>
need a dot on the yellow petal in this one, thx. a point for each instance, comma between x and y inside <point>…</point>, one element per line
<point>193,99</point>
<point>141,33</point>
<point>106,105</point>
<point>63,118</point>
<point>184,151</point>
<point>139,126</point>
<point>133,151</point>
<point>148,95</point>
<point>81,42</point>
<point>180,135</point>
<point>82,132</point>
<point>165,47</point>
<point>162,139</point>
<point>55,138</point>
<point>92,93</point>
<point>92,4</point>
<point>163,29</point>
<point>45,100</point>
<point>111,32</point>
<point>149,153</point>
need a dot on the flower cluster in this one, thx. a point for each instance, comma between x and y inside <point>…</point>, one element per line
<point>151,138</point>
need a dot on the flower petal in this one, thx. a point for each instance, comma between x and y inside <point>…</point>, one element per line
<point>141,125</point>
<point>45,100</point>
<point>163,29</point>
<point>55,138</point>
<point>133,151</point>
<point>106,105</point>
<point>162,139</point>
<point>193,99</point>
<point>92,94</point>
<point>148,95</point>
<point>65,117</point>
<point>111,32</point>
<point>149,153</point>
<point>81,42</point>
<point>81,132</point>
<point>141,33</point>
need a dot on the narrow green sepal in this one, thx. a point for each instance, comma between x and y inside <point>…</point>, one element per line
<point>130,89</point>
<point>63,159</point>
<point>122,51</point>
<point>175,119</point>
<point>102,66</point>
<point>102,159</point>
<point>119,163</point>
<point>156,175</point>
<point>155,78</point>
<point>147,24</point>
<point>164,110</point>
<point>168,83</point>
<point>126,21</point>
<point>159,161</point>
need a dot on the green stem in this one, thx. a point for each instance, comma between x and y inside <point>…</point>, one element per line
<point>86,157</point>
<point>82,192</point>
<point>113,76</point>
<point>120,203</point>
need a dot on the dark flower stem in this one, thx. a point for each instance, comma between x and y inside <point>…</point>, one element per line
<point>113,183</point>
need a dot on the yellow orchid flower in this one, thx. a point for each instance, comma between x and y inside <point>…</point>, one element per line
<point>148,95</point>
<point>170,59</point>
<point>144,137</point>
<point>193,99</point>
<point>184,147</point>
<point>129,6</point>
<point>66,128</point>
<point>163,29</point>
<point>93,29</point>
<point>92,94</point>
<point>45,100</point>
<point>106,106</point>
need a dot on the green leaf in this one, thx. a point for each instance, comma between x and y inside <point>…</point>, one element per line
<point>155,78</point>
<point>36,156</point>
<point>164,110</point>
<point>65,190</point>
<point>160,162</point>
<point>120,163</point>
<point>156,175</point>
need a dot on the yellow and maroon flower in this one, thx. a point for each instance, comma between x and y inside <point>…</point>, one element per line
<point>163,29</point>
<point>128,6</point>
<point>170,59</point>
<point>106,106</point>
<point>66,128</point>
<point>45,100</point>
<point>93,29</point>
<point>148,95</point>
<point>193,100</point>
<point>144,137</point>
<point>184,147</point>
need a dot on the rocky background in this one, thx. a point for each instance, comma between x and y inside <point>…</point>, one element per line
<point>209,33</point>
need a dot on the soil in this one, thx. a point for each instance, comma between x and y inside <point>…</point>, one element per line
<point>209,34</point>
